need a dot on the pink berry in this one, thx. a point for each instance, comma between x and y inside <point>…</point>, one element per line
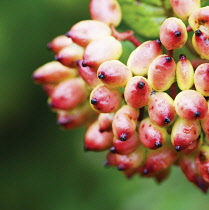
<point>205,125</point>
<point>105,121</point>
<point>190,105</point>
<point>105,100</point>
<point>161,73</point>
<point>137,92</point>
<point>84,32</point>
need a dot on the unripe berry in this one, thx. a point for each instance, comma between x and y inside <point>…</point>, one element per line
<point>88,74</point>
<point>151,135</point>
<point>124,122</point>
<point>125,147</point>
<point>199,18</point>
<point>161,73</point>
<point>158,160</point>
<point>183,8</point>
<point>69,55</point>
<point>184,134</point>
<point>76,117</point>
<point>184,73</point>
<point>173,33</point>
<point>190,105</point>
<point>188,167</point>
<point>52,72</point>
<point>161,109</point>
<point>101,50</point>
<point>205,124</point>
<point>202,162</point>
<point>140,59</point>
<point>66,95</point>
<point>84,32</point>
<point>105,121</point>
<point>137,92</point>
<point>201,79</point>
<point>105,100</point>
<point>96,140</point>
<point>114,73</point>
<point>59,42</point>
<point>200,41</point>
<point>107,11</point>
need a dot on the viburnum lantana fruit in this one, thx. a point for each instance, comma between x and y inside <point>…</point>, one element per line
<point>149,107</point>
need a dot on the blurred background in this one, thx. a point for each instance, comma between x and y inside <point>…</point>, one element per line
<point>41,165</point>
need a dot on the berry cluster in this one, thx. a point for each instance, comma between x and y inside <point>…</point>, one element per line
<point>150,113</point>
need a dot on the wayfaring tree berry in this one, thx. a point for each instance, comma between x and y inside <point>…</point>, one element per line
<point>142,95</point>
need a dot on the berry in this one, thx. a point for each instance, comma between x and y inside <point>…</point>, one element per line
<point>173,33</point>
<point>190,105</point>
<point>107,11</point>
<point>137,92</point>
<point>84,32</point>
<point>140,59</point>
<point>114,73</point>
<point>162,67</point>
<point>104,99</point>
<point>105,121</point>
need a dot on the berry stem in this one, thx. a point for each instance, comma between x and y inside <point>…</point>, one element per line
<point>127,35</point>
<point>196,62</point>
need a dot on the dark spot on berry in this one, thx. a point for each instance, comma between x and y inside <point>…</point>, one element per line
<point>145,171</point>
<point>195,132</point>
<point>158,144</point>
<point>168,59</point>
<point>140,85</point>
<point>94,101</point>
<point>202,22</point>
<point>58,58</point>
<point>121,167</point>
<point>113,150</point>
<point>158,41</point>
<point>123,137</point>
<point>178,148</point>
<point>167,120</point>
<point>196,114</point>
<point>177,33</point>
<point>84,64</point>
<point>101,75</point>
<point>198,33</point>
<point>182,57</point>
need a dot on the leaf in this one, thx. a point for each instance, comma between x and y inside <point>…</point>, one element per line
<point>146,16</point>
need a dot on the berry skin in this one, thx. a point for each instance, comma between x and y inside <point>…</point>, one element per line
<point>140,59</point>
<point>188,167</point>
<point>205,124</point>
<point>202,162</point>
<point>84,32</point>
<point>151,135</point>
<point>107,11</point>
<point>161,73</point>
<point>69,55</point>
<point>101,50</point>
<point>184,73</point>
<point>114,73</point>
<point>105,121</point>
<point>199,18</point>
<point>58,43</point>
<point>124,122</point>
<point>190,105</point>
<point>88,74</point>
<point>161,109</point>
<point>200,41</point>
<point>184,134</point>
<point>183,8</point>
<point>52,72</point>
<point>201,79</point>
<point>126,147</point>
<point>137,92</point>
<point>95,140</point>
<point>173,33</point>
<point>66,95</point>
<point>105,100</point>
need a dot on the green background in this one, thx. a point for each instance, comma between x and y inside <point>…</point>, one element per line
<point>41,165</point>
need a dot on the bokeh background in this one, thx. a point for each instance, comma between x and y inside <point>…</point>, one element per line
<point>43,167</point>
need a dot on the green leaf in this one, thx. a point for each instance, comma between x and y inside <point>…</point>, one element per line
<point>145,17</point>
